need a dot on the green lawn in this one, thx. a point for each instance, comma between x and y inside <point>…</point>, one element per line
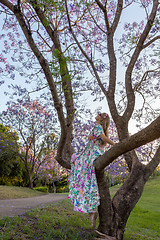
<point>60,222</point>
<point>8,192</point>
<point>144,222</point>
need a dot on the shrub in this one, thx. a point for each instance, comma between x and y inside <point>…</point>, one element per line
<point>42,189</point>
<point>11,181</point>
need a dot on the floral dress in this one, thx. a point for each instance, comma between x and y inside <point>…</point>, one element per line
<point>83,189</point>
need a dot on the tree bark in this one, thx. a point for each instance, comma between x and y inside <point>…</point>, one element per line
<point>126,198</point>
<point>105,208</point>
<point>114,213</point>
<point>29,176</point>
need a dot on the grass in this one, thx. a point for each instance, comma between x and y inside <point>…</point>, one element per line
<point>61,222</point>
<point>10,192</point>
<point>58,222</point>
<point>144,221</point>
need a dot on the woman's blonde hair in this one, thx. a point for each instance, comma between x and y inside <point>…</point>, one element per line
<point>105,122</point>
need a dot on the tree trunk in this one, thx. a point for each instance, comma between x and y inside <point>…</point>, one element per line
<point>29,175</point>
<point>114,213</point>
<point>54,186</point>
<point>30,181</point>
<point>105,209</point>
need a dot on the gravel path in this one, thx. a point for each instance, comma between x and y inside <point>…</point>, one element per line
<point>13,207</point>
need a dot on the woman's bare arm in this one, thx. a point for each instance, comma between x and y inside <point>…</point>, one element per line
<point>106,139</point>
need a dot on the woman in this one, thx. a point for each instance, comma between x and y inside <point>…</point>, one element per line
<point>83,189</point>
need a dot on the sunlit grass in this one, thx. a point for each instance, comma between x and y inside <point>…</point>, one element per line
<point>144,222</point>
<point>10,192</point>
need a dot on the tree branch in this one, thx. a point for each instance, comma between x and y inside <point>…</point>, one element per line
<point>66,81</point>
<point>112,77</point>
<point>151,41</point>
<point>145,75</point>
<point>111,55</point>
<point>103,8</point>
<point>7,4</point>
<point>128,82</point>
<point>151,166</point>
<point>117,16</point>
<point>83,52</point>
<point>64,147</point>
<point>144,136</point>
<point>96,22</point>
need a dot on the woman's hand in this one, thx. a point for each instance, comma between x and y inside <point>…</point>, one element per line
<point>104,144</point>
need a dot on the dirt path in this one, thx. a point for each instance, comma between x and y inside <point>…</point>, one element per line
<point>13,207</point>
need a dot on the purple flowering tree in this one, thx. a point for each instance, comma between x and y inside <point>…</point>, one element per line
<point>63,41</point>
<point>50,171</point>
<point>34,125</point>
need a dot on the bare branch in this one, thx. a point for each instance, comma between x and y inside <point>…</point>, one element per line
<point>38,89</point>
<point>18,4</point>
<point>143,4</point>
<point>151,41</point>
<point>95,22</point>
<point>72,44</point>
<point>45,41</point>
<point>128,4</point>
<point>75,23</point>
<point>101,5</point>
<point>145,75</point>
<point>8,4</point>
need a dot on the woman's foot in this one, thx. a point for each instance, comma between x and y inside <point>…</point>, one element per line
<point>93,217</point>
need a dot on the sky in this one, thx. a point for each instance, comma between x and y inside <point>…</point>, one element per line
<point>128,15</point>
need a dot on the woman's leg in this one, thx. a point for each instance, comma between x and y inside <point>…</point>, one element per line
<point>93,217</point>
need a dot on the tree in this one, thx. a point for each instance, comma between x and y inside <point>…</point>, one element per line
<point>10,165</point>
<point>81,34</point>
<point>51,171</point>
<point>34,124</point>
<point>7,138</point>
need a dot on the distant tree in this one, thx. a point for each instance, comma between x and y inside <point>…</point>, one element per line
<point>34,125</point>
<point>10,165</point>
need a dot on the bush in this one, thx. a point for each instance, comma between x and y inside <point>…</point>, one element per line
<point>11,181</point>
<point>62,186</point>
<point>42,189</point>
<point>63,189</point>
